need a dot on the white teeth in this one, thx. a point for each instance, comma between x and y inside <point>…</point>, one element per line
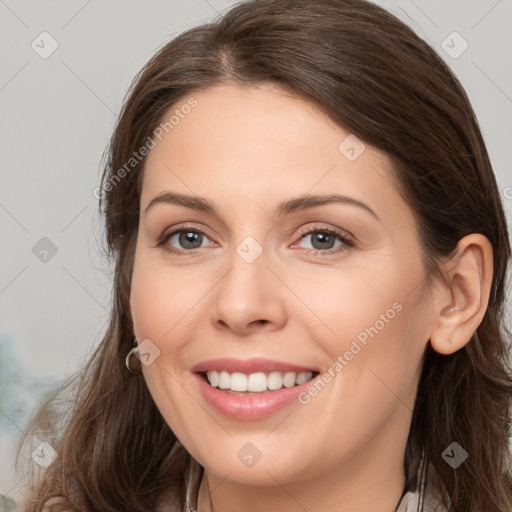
<point>224,380</point>
<point>289,379</point>
<point>213,377</point>
<point>238,382</point>
<point>256,382</point>
<point>302,377</point>
<point>274,380</point>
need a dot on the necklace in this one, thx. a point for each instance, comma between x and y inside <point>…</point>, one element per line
<point>195,474</point>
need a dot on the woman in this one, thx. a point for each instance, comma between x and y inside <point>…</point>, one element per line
<point>310,258</point>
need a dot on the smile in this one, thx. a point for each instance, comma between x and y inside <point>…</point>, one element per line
<point>258,382</point>
<point>251,389</point>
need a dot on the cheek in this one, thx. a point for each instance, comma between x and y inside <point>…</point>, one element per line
<point>373,328</point>
<point>349,302</point>
<point>163,303</point>
<point>162,307</point>
<point>375,363</point>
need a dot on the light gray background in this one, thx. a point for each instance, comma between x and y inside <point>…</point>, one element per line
<point>56,118</point>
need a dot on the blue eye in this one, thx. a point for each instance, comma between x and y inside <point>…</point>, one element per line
<point>186,239</point>
<point>321,241</point>
<point>326,241</point>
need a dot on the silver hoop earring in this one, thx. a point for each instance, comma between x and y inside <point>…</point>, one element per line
<point>133,352</point>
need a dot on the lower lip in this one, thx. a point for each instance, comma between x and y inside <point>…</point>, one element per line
<point>249,407</point>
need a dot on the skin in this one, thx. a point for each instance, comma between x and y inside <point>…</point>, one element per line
<point>246,149</point>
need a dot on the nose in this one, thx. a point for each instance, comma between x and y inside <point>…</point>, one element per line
<point>249,298</point>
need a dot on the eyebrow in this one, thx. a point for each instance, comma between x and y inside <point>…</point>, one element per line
<point>287,207</point>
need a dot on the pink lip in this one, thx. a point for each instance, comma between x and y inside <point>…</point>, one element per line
<point>249,407</point>
<point>248,366</point>
<point>254,406</point>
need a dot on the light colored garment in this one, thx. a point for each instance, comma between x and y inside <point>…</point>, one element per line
<point>424,489</point>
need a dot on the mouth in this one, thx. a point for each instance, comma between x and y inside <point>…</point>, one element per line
<point>239,383</point>
<point>251,389</point>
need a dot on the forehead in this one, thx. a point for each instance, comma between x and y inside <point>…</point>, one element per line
<point>260,143</point>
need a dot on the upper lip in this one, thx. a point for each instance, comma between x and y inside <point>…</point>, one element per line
<point>249,366</point>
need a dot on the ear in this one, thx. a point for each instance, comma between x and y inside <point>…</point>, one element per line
<point>462,300</point>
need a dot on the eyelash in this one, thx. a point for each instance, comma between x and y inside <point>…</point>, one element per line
<point>347,241</point>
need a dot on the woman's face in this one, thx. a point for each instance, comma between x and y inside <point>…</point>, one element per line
<point>287,255</point>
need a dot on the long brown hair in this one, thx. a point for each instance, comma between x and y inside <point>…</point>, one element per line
<point>373,76</point>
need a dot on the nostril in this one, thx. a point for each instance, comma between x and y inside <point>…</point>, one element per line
<point>260,322</point>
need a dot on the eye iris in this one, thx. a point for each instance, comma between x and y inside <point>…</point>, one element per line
<point>188,239</point>
<point>324,240</point>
